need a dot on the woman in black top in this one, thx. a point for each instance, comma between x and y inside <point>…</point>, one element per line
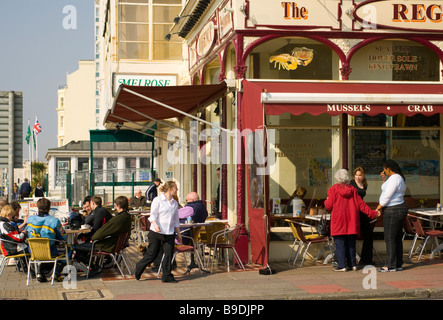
<point>359,182</point>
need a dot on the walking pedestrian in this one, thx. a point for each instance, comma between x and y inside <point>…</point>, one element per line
<point>165,225</point>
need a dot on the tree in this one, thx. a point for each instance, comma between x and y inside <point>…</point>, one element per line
<point>38,173</point>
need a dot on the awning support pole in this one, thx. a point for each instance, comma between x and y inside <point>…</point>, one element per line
<point>174,109</point>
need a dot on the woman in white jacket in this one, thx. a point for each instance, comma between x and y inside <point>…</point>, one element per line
<point>394,210</point>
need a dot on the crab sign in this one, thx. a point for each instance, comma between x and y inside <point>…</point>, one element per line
<point>298,57</point>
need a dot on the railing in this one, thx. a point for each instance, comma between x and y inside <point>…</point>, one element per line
<point>82,183</point>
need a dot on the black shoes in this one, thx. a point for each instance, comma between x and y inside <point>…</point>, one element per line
<point>41,278</point>
<point>170,278</point>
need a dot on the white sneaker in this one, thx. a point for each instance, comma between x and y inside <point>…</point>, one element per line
<point>341,270</point>
<point>354,268</point>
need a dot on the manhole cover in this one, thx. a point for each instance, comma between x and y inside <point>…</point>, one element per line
<point>83,295</point>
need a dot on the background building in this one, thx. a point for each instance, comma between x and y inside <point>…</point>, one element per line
<point>11,135</point>
<point>76,112</point>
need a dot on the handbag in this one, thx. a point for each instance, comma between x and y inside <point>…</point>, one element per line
<point>323,227</point>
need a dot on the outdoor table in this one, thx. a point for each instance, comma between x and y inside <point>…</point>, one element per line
<point>433,215</point>
<point>72,233</point>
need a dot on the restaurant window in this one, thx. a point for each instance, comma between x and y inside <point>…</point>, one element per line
<point>395,60</point>
<point>83,164</point>
<point>306,155</point>
<point>414,142</point>
<point>145,163</point>
<point>142,27</point>
<point>293,58</point>
<point>63,167</point>
<point>98,169</point>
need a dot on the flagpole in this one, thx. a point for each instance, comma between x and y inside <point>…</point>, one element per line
<point>29,147</point>
<point>36,142</point>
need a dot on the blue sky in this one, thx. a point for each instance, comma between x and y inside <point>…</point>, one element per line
<point>36,53</point>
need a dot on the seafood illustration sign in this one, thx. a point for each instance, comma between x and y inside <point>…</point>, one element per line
<point>298,57</point>
<point>302,13</point>
<point>59,208</point>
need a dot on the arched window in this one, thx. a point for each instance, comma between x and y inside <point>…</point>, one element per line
<point>395,60</point>
<point>293,58</point>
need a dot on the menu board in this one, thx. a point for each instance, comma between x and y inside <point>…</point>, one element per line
<point>369,150</point>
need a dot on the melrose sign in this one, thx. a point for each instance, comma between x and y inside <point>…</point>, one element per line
<point>425,15</point>
<point>144,80</point>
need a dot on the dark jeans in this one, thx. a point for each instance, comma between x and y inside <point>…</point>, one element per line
<point>393,218</point>
<point>156,242</point>
<point>366,234</point>
<point>345,250</point>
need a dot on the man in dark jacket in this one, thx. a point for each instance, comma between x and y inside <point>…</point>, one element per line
<point>25,189</point>
<point>120,223</point>
<point>151,192</point>
<point>97,218</point>
<point>200,214</point>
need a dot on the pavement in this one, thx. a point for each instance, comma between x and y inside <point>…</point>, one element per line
<point>314,281</point>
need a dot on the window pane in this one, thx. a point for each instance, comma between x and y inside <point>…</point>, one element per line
<point>133,50</point>
<point>302,158</point>
<point>167,51</point>
<point>165,14</point>
<point>167,1</point>
<point>293,58</point>
<point>130,163</point>
<point>133,32</point>
<point>135,13</point>
<point>416,151</point>
<point>395,61</point>
<point>134,1</point>
<point>160,31</point>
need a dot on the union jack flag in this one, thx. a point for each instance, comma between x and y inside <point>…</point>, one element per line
<point>37,127</point>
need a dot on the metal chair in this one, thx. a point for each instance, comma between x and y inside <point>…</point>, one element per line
<point>184,248</point>
<point>226,239</point>
<point>409,230</point>
<point>306,240</point>
<point>206,235</point>
<point>426,234</point>
<point>297,238</point>
<point>41,253</point>
<point>117,254</point>
<point>144,224</point>
<point>6,258</point>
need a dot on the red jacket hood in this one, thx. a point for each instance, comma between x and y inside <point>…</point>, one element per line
<point>345,190</point>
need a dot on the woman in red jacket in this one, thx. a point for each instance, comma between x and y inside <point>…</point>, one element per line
<point>345,206</point>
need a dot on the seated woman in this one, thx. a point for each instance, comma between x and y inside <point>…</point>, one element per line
<point>14,240</point>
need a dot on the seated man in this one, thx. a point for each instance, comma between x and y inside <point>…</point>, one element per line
<point>107,234</point>
<point>45,226</point>
<point>138,200</point>
<point>96,219</point>
<point>199,213</point>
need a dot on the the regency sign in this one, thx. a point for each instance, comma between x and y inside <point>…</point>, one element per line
<point>422,15</point>
<point>299,14</point>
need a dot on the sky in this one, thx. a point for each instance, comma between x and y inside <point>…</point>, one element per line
<point>40,43</point>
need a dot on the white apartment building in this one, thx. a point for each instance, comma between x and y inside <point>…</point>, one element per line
<point>131,47</point>
<point>76,104</point>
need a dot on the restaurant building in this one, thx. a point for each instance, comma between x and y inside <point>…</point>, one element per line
<point>331,84</point>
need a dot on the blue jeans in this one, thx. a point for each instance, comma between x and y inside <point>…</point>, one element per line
<point>345,250</point>
<point>393,218</point>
